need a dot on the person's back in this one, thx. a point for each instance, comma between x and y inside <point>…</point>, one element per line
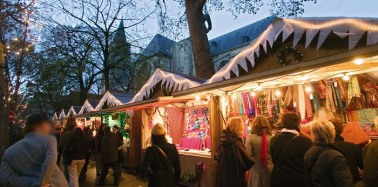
<point>371,164</point>
<point>162,162</point>
<point>80,147</point>
<point>353,154</point>
<point>326,166</point>
<point>232,158</point>
<point>109,148</point>
<point>32,160</point>
<point>287,150</point>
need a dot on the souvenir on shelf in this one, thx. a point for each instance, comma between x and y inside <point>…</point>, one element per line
<point>197,125</point>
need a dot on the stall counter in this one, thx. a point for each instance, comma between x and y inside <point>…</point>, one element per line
<point>188,160</point>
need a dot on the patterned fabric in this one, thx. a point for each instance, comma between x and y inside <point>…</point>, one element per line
<point>315,98</point>
<point>371,91</point>
<point>330,100</point>
<point>288,96</point>
<point>240,104</point>
<point>301,101</point>
<point>176,122</point>
<point>235,106</point>
<point>245,103</point>
<point>367,115</point>
<point>262,105</point>
<point>269,102</point>
<point>353,89</point>
<point>308,106</point>
<point>296,98</point>
<point>343,89</point>
<point>321,88</point>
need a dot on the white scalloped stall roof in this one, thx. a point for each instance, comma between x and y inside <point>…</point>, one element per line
<point>171,80</point>
<point>353,28</point>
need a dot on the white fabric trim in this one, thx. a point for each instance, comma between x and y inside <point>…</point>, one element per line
<point>290,131</point>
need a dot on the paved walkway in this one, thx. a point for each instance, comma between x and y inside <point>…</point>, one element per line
<point>126,179</point>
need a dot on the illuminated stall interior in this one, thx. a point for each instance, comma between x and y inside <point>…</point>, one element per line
<point>301,65</point>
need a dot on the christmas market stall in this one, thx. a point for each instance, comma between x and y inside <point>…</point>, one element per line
<point>303,65</point>
<point>186,120</point>
<point>105,107</point>
<point>87,112</point>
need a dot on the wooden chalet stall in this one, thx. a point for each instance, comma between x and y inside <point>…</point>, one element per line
<point>186,120</point>
<point>87,112</point>
<point>301,65</point>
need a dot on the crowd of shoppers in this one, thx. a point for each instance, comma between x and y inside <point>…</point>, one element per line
<point>286,159</point>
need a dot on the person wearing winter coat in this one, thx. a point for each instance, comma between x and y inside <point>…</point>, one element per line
<point>68,131</point>
<point>370,155</point>
<point>98,139</point>
<point>257,146</point>
<point>32,160</point>
<point>352,152</point>
<point>109,156</point>
<point>287,149</point>
<point>325,164</point>
<point>161,163</point>
<point>88,133</point>
<point>74,155</point>
<point>232,158</point>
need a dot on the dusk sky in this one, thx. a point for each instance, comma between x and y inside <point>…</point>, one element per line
<point>224,22</point>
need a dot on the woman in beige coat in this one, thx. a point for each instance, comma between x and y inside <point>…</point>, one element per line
<point>257,144</point>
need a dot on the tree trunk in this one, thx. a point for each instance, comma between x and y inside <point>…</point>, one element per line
<point>4,140</point>
<point>198,37</point>
<point>106,79</point>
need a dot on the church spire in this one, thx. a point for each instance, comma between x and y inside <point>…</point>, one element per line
<point>120,35</point>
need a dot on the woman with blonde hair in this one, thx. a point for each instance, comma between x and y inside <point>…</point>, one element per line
<point>232,158</point>
<point>257,144</point>
<point>325,164</point>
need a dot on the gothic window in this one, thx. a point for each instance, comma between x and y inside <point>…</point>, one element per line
<point>223,63</point>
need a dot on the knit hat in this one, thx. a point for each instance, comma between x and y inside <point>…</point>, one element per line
<point>158,130</point>
<point>37,118</point>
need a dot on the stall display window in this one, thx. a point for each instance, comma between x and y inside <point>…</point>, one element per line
<point>197,129</point>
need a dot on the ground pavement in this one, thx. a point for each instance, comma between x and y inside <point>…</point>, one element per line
<point>126,179</point>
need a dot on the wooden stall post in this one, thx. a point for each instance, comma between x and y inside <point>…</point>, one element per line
<point>135,140</point>
<point>216,127</point>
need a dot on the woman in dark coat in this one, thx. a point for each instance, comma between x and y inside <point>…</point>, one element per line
<point>352,152</point>
<point>325,164</point>
<point>232,158</point>
<point>161,163</point>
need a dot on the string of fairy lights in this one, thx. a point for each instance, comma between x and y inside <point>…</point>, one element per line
<point>305,81</point>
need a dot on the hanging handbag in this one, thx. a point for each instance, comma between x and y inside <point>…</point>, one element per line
<point>168,175</point>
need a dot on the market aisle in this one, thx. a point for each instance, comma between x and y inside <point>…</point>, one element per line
<point>126,179</point>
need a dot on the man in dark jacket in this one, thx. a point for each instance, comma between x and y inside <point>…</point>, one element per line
<point>68,132</point>
<point>109,156</point>
<point>352,152</point>
<point>89,136</point>
<point>287,150</point>
<point>371,164</point>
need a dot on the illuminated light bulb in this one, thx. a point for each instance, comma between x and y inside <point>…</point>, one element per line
<point>305,77</point>
<point>308,89</point>
<point>259,87</point>
<point>15,39</point>
<point>277,93</point>
<point>345,77</point>
<point>198,98</point>
<point>253,94</point>
<point>358,61</point>
<point>233,96</point>
<point>8,47</point>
